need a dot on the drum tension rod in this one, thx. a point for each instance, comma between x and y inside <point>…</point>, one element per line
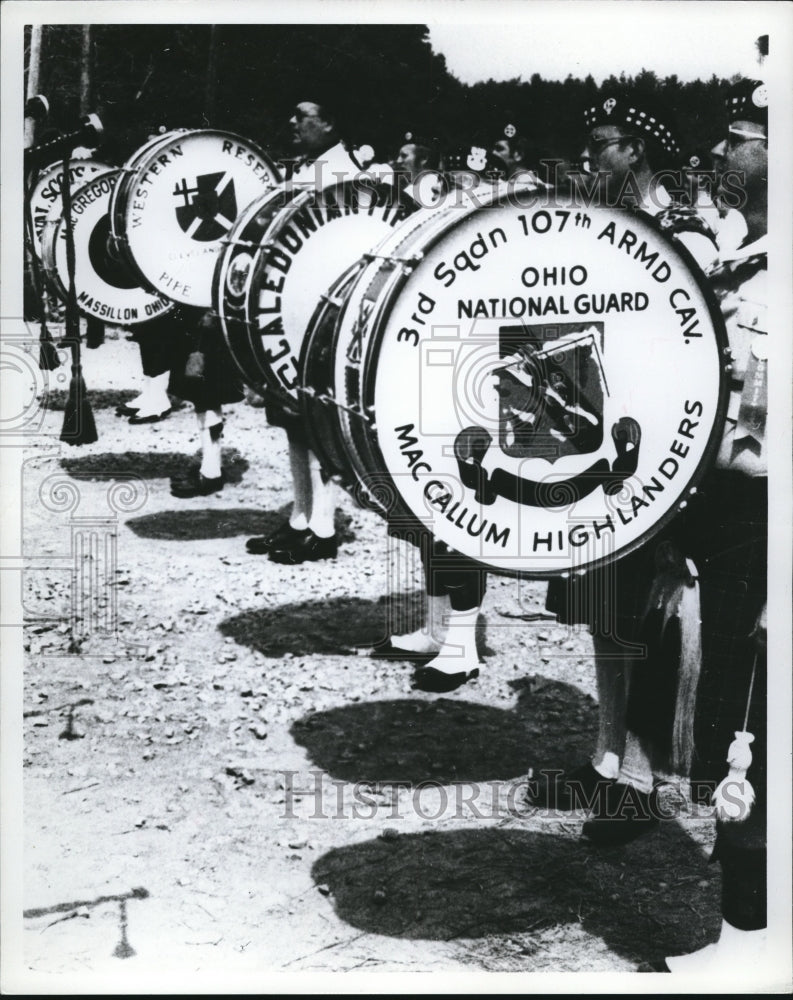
<point>240,243</point>
<point>406,262</point>
<point>323,397</point>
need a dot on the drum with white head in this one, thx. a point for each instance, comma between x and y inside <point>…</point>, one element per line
<point>105,287</point>
<point>539,386</point>
<point>311,240</point>
<point>179,204</point>
<point>46,192</point>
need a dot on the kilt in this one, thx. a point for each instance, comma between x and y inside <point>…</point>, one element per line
<point>202,370</point>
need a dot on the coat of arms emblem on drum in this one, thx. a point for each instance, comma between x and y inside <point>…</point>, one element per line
<point>210,206</point>
<point>551,387</point>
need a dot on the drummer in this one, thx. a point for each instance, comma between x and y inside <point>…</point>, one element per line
<point>726,529</point>
<point>417,162</point>
<point>516,158</point>
<point>309,534</point>
<point>628,141</point>
<point>445,647</point>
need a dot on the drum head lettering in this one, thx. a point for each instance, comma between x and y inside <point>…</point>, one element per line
<point>46,192</point>
<point>311,241</point>
<point>106,288</point>
<point>546,384</point>
<point>180,205</point>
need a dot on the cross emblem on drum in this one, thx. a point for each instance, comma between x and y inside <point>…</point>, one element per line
<point>211,211</point>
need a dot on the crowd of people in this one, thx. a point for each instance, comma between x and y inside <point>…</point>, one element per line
<point>715,550</point>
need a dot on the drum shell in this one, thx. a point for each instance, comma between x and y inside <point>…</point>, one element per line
<point>244,245</point>
<point>317,400</point>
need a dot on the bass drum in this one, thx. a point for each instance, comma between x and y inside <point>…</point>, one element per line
<point>317,398</point>
<point>538,387</point>
<point>179,203</point>
<point>46,193</point>
<point>232,280</point>
<point>105,287</point>
<point>121,188</point>
<point>310,241</point>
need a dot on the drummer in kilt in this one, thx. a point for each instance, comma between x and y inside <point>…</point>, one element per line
<point>309,534</point>
<point>629,139</point>
<point>725,530</point>
<point>203,373</point>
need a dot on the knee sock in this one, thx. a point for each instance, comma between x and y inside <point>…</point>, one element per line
<point>636,769</point>
<point>611,673</point>
<point>210,423</point>
<point>429,638</point>
<point>458,652</point>
<point>301,485</point>
<point>154,398</point>
<point>323,500</point>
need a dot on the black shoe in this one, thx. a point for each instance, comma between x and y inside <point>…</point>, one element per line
<point>308,548</point>
<point>623,814</point>
<point>283,537</point>
<point>387,651</point>
<point>576,790</point>
<point>155,418</point>
<point>657,965</point>
<point>125,410</point>
<point>436,681</point>
<point>195,485</point>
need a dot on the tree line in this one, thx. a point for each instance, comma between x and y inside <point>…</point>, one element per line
<point>384,81</point>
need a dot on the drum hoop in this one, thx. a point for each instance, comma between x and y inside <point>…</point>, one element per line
<point>368,367</point>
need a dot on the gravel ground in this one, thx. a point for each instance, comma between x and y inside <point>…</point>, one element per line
<point>217,779</point>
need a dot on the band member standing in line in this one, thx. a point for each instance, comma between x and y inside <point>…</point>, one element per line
<point>628,141</point>
<point>309,534</point>
<point>726,532</point>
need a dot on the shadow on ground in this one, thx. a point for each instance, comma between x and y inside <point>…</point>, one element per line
<point>475,883</point>
<point>341,625</point>
<point>98,399</point>
<point>174,525</point>
<point>445,740</point>
<point>148,465</point>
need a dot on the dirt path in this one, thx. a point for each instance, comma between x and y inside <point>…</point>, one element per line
<point>215,779</point>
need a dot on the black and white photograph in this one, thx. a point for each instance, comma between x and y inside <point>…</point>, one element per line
<point>395,448</point>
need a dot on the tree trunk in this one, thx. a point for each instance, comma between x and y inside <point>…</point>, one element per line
<point>85,71</point>
<point>210,99</point>
<point>34,64</point>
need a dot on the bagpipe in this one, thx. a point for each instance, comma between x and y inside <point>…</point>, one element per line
<point>539,384</point>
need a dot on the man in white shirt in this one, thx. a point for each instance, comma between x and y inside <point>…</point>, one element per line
<point>309,534</point>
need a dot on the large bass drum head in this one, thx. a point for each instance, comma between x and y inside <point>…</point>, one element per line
<point>547,384</point>
<point>180,204</point>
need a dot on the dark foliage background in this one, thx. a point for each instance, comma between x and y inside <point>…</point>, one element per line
<point>383,79</point>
